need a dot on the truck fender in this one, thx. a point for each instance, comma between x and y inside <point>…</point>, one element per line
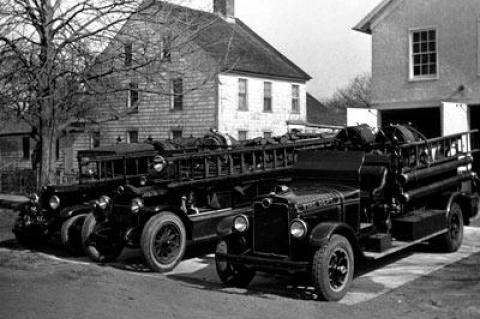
<point>224,227</point>
<point>150,211</point>
<point>75,210</point>
<point>322,233</point>
<point>468,203</point>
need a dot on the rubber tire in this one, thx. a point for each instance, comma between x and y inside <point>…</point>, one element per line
<point>320,268</point>
<point>91,251</point>
<point>233,275</point>
<point>149,233</point>
<point>445,242</point>
<point>71,239</point>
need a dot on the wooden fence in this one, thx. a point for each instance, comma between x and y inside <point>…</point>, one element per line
<point>23,181</point>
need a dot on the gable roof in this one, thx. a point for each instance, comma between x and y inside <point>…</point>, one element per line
<point>237,48</point>
<point>365,25</point>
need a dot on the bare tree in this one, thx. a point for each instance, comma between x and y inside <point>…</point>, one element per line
<point>58,59</point>
<point>357,94</point>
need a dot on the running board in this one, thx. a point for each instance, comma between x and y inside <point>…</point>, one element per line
<point>400,245</point>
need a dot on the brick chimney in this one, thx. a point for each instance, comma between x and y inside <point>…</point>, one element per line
<point>224,8</point>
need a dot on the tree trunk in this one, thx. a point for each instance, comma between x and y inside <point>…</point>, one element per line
<point>47,162</point>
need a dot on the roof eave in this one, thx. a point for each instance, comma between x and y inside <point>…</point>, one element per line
<point>269,75</point>
<point>366,23</point>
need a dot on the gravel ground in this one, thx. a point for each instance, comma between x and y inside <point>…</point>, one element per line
<point>32,285</point>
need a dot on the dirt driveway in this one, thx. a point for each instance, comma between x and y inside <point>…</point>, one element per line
<point>51,284</point>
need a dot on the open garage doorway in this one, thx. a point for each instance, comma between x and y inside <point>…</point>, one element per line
<point>426,120</point>
<point>474,115</point>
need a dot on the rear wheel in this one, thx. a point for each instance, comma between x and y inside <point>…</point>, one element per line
<point>163,241</point>
<point>332,269</point>
<point>101,240</point>
<point>452,239</point>
<point>70,233</point>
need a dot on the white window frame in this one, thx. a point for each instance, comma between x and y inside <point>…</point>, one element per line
<point>173,96</point>
<point>411,75</point>
<point>246,95</point>
<point>246,135</point>
<point>298,98</point>
<point>270,97</point>
<point>129,141</point>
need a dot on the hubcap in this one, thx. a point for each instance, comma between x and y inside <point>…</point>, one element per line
<point>167,243</point>
<point>338,269</point>
<point>454,227</point>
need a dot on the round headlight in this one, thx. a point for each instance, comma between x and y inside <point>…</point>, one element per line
<point>137,204</point>
<point>103,202</point>
<point>34,198</point>
<point>159,163</point>
<point>298,229</point>
<point>54,202</point>
<point>240,223</point>
<point>143,181</point>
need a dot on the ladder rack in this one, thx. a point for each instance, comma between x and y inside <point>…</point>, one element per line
<point>436,150</point>
<point>203,167</point>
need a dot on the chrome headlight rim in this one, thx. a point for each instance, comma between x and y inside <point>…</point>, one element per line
<point>241,223</point>
<point>298,229</point>
<point>54,202</point>
<point>34,198</point>
<point>159,163</point>
<point>103,202</point>
<point>136,205</point>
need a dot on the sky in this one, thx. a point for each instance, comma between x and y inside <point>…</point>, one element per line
<point>317,35</point>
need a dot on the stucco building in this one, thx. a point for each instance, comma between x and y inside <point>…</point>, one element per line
<point>426,63</point>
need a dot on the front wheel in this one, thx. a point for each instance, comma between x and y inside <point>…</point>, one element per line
<point>101,240</point>
<point>231,274</point>
<point>332,269</point>
<point>163,241</point>
<point>70,233</point>
<point>452,239</point>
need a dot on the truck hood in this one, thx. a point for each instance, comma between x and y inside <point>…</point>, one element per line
<point>311,195</point>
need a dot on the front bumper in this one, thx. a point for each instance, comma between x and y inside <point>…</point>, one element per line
<point>265,263</point>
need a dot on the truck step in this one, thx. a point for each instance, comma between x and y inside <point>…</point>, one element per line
<point>378,242</point>
<point>398,245</point>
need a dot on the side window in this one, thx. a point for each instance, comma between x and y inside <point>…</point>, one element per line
<point>242,135</point>
<point>242,95</point>
<point>95,139</point>
<point>423,54</point>
<point>26,147</point>
<point>133,96</point>
<point>128,54</point>
<point>177,94</point>
<point>267,97</point>
<point>132,136</point>
<point>295,98</point>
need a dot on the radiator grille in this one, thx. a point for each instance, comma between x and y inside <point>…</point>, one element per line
<point>270,228</point>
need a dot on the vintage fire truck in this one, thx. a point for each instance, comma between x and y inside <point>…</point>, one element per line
<point>186,195</point>
<point>61,209</point>
<point>345,205</point>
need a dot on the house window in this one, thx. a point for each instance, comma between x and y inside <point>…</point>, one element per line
<point>132,136</point>
<point>26,147</point>
<point>95,139</point>
<point>267,134</point>
<point>423,58</point>
<point>133,95</point>
<point>177,94</point>
<point>242,135</point>
<point>166,48</point>
<point>267,96</point>
<point>177,133</point>
<point>295,98</point>
<point>57,149</point>
<point>128,54</point>
<point>242,95</point>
